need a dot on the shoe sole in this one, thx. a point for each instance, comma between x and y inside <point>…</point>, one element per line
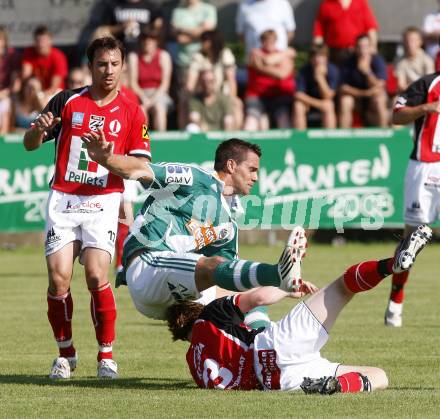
<point>416,242</point>
<point>297,244</point>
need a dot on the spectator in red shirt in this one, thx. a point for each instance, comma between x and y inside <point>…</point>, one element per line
<point>270,83</point>
<point>340,22</point>
<point>45,62</point>
<point>149,74</point>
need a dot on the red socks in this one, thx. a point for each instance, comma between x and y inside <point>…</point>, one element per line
<point>103,310</point>
<point>397,289</point>
<point>353,382</point>
<point>59,313</point>
<point>366,275</point>
<point>119,245</point>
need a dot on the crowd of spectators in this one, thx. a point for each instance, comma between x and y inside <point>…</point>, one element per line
<point>184,76</point>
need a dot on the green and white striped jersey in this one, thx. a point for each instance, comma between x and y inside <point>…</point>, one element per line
<point>184,211</point>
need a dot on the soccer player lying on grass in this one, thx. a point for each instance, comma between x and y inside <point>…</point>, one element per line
<point>184,239</point>
<point>225,354</point>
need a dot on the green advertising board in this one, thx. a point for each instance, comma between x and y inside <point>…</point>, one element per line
<point>317,178</point>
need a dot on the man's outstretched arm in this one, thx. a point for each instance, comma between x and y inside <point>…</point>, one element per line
<point>265,296</point>
<point>127,167</point>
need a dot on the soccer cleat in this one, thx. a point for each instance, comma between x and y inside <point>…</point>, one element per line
<point>73,361</point>
<point>107,368</point>
<point>289,265</point>
<point>410,247</point>
<point>60,369</point>
<point>323,385</point>
<point>393,314</point>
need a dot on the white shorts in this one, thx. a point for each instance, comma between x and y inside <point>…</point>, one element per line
<point>289,350</point>
<point>422,193</point>
<point>130,190</point>
<point>157,280</point>
<point>91,219</point>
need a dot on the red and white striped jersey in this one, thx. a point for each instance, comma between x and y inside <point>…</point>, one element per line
<point>123,123</point>
<point>427,127</point>
<point>221,354</point>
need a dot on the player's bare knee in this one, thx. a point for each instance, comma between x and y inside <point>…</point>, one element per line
<point>95,277</point>
<point>377,376</point>
<point>59,281</point>
<point>381,380</point>
<point>204,272</point>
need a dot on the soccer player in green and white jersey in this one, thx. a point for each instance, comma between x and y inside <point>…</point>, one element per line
<point>184,240</point>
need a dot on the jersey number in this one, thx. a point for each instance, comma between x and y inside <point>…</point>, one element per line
<point>220,377</point>
<point>112,235</point>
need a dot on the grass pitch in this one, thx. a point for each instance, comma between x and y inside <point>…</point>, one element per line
<point>154,381</point>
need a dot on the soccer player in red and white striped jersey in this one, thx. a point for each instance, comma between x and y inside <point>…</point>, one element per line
<point>224,354</point>
<point>82,208</point>
<point>420,104</point>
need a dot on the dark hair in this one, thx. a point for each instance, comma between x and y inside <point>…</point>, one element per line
<point>319,49</point>
<point>181,317</point>
<point>150,34</point>
<point>42,30</point>
<point>234,149</point>
<point>217,43</point>
<point>106,43</point>
<point>267,34</point>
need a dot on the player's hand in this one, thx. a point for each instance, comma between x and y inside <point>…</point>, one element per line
<point>305,288</point>
<point>45,122</point>
<point>98,147</point>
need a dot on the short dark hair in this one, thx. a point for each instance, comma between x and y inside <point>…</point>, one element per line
<point>42,30</point>
<point>181,318</point>
<point>234,149</point>
<point>267,34</point>
<point>106,43</point>
<point>150,33</point>
<point>217,43</point>
<point>319,49</point>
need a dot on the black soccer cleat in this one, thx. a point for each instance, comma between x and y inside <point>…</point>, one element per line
<point>410,247</point>
<point>323,385</point>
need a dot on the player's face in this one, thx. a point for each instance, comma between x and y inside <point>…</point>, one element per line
<point>246,174</point>
<point>106,69</point>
